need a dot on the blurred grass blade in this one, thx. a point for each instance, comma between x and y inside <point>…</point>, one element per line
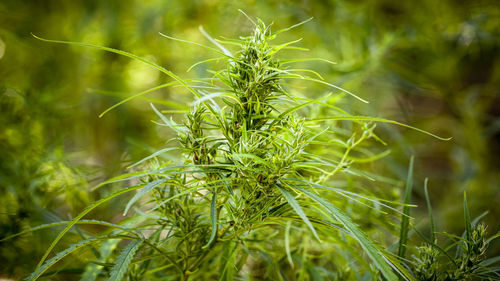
<point>293,26</point>
<point>468,224</point>
<point>287,243</point>
<point>211,39</point>
<point>405,220</point>
<point>429,209</point>
<point>172,104</point>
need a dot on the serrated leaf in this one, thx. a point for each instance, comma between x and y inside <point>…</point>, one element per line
<point>296,207</point>
<point>80,216</point>
<point>50,262</point>
<point>123,261</point>
<point>378,259</point>
<point>93,270</point>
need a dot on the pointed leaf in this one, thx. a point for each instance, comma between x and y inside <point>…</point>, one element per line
<point>405,220</point>
<point>376,255</point>
<point>150,186</point>
<point>296,207</point>
<point>123,261</point>
<point>213,217</point>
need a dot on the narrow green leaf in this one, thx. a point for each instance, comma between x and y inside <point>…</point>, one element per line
<point>490,261</point>
<point>48,225</point>
<point>197,44</point>
<point>123,261</point>
<point>376,255</point>
<point>81,215</point>
<point>429,209</point>
<point>159,152</point>
<point>295,108</point>
<point>375,119</point>
<point>468,224</point>
<point>292,27</point>
<point>50,262</point>
<point>226,269</point>
<point>283,62</point>
<point>405,220</point>
<point>150,186</point>
<point>126,54</point>
<point>336,87</point>
<point>211,39</point>
<point>140,94</point>
<point>213,217</point>
<point>287,243</point>
<point>296,207</point>
<point>171,124</point>
<point>93,270</point>
<point>276,49</point>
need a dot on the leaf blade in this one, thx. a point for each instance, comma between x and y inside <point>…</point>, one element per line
<point>405,220</point>
<point>379,260</point>
<point>296,207</point>
<point>124,260</point>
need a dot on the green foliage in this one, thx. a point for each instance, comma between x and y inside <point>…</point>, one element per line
<point>435,263</point>
<point>243,143</point>
<point>123,261</point>
<point>405,220</point>
<point>430,65</point>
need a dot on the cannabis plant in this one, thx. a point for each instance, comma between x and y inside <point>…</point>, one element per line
<point>251,192</point>
<point>469,260</point>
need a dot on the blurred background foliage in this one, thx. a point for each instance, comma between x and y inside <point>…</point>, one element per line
<point>431,64</point>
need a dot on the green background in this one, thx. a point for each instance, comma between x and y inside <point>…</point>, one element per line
<point>431,64</point>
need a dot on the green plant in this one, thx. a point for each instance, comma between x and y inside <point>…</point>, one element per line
<point>252,167</point>
<point>436,263</point>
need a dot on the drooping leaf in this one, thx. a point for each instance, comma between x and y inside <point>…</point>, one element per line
<point>296,207</point>
<point>146,189</point>
<point>126,54</point>
<point>50,262</point>
<point>81,215</point>
<point>375,254</point>
<point>375,119</point>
